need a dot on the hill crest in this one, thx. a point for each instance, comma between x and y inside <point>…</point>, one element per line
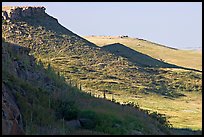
<point>136,57</point>
<point>16,12</point>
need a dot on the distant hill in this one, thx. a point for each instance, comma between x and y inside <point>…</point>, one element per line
<point>136,57</point>
<point>185,58</point>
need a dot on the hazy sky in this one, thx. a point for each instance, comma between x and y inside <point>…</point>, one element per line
<point>174,24</point>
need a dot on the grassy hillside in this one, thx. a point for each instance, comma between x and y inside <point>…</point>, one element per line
<point>98,72</point>
<point>185,58</point>
<point>47,109</point>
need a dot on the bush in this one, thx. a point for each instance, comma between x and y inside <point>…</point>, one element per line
<point>90,117</point>
<point>161,118</point>
<point>66,110</point>
<point>88,114</point>
<point>106,123</point>
<point>110,124</point>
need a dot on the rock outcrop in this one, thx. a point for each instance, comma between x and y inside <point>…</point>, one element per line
<point>15,13</point>
<point>12,121</point>
<point>11,116</point>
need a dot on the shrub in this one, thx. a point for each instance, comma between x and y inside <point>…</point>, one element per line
<point>109,123</point>
<point>161,118</point>
<point>88,114</point>
<point>66,110</point>
<point>91,118</point>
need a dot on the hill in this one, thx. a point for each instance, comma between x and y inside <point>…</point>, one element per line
<point>59,108</point>
<point>102,73</point>
<point>36,100</point>
<point>185,58</point>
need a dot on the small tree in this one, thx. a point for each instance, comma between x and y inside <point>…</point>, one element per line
<point>113,100</point>
<point>40,64</point>
<point>104,94</point>
<point>49,68</point>
<point>80,87</point>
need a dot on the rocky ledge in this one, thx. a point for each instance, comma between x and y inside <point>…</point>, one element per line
<point>16,12</point>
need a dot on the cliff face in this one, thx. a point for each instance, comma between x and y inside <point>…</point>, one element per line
<point>19,69</point>
<point>11,116</point>
<point>35,16</point>
<point>12,123</point>
<point>15,13</point>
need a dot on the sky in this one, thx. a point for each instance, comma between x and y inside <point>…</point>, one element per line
<point>174,24</point>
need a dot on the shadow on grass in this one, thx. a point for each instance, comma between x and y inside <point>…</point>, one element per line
<point>185,131</point>
<point>140,59</point>
<point>164,125</point>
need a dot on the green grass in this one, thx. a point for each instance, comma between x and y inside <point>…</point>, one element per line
<point>184,112</point>
<point>96,70</point>
<point>52,107</point>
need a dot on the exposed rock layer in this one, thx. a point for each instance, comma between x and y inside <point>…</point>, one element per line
<point>15,13</point>
<point>12,122</point>
<point>11,116</point>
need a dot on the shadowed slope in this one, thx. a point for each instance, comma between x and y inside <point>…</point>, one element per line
<point>138,58</point>
<point>185,58</point>
<point>37,17</point>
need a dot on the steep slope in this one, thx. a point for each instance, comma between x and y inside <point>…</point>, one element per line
<point>11,116</point>
<point>74,57</point>
<point>37,17</point>
<point>32,97</point>
<point>94,69</point>
<point>25,85</point>
<point>185,58</point>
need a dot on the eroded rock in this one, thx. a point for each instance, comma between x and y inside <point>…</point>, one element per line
<point>11,117</point>
<point>15,13</point>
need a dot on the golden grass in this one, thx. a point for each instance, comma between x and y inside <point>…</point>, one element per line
<point>183,112</point>
<point>185,58</point>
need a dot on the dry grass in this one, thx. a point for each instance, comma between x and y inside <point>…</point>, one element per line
<point>185,58</point>
<point>183,112</point>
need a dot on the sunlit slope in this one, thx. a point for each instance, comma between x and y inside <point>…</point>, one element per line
<point>185,58</point>
<point>98,71</point>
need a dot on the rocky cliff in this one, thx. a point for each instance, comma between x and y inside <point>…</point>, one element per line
<point>21,79</point>
<point>15,13</point>
<point>36,16</point>
<point>12,122</point>
<point>11,116</point>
